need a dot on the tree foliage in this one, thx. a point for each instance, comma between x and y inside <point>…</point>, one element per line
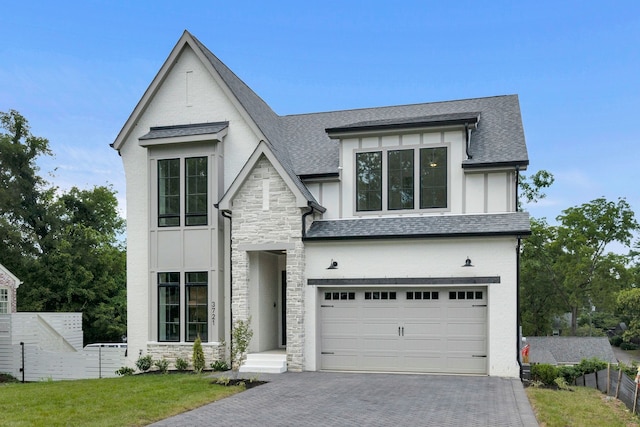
<point>566,268</point>
<point>63,245</point>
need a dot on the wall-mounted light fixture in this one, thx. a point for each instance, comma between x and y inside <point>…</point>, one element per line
<point>333,265</point>
<point>467,262</point>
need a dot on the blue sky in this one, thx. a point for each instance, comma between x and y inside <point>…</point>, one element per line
<point>76,69</point>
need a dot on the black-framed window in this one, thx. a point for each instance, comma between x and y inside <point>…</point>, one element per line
<point>197,303</point>
<point>390,177</point>
<point>369,181</point>
<point>400,181</point>
<point>196,191</point>
<point>169,192</point>
<point>433,178</point>
<point>168,306</point>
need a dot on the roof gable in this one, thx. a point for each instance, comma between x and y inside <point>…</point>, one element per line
<point>5,272</point>
<point>303,196</point>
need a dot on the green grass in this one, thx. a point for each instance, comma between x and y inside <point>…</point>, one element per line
<point>583,406</point>
<point>127,401</point>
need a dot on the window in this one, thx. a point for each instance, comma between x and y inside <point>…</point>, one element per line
<point>391,179</point>
<point>336,296</point>
<point>168,306</point>
<point>401,181</point>
<point>380,295</point>
<point>196,289</point>
<point>433,178</point>
<point>196,191</point>
<point>369,185</point>
<point>414,295</point>
<point>169,193</point>
<point>466,295</point>
<point>4,300</point>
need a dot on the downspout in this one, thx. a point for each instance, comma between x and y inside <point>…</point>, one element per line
<point>304,219</point>
<point>467,131</point>
<point>518,282</point>
<point>227,214</point>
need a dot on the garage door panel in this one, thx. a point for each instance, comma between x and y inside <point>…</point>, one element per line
<point>428,332</point>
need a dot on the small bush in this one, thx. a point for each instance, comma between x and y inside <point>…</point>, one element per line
<point>162,365</point>
<point>125,371</point>
<point>198,356</point>
<point>220,365</point>
<point>628,346</point>
<point>616,340</point>
<point>562,384</point>
<point>587,366</point>
<point>144,363</point>
<point>181,364</point>
<point>568,373</point>
<point>544,373</point>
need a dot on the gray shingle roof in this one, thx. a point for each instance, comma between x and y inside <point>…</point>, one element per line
<point>569,350</point>
<point>511,224</point>
<point>301,142</point>
<point>411,122</point>
<point>184,130</point>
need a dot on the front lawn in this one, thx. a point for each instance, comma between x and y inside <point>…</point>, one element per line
<point>583,406</point>
<point>128,401</point>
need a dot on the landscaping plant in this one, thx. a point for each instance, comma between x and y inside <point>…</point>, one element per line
<point>241,337</point>
<point>144,363</point>
<point>198,356</point>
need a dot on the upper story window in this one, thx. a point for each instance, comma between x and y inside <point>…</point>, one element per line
<point>402,179</point>
<point>169,192</point>
<point>195,189</point>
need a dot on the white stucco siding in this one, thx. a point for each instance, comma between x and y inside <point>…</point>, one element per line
<point>189,94</point>
<point>441,258</point>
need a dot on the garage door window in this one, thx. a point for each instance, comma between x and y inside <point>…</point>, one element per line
<point>465,295</point>
<point>336,296</point>
<point>413,295</point>
<point>380,295</point>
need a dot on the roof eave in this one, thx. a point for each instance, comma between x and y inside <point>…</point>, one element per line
<point>515,233</point>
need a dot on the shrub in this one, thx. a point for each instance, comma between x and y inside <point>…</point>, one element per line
<point>240,339</point>
<point>181,364</point>
<point>616,340</point>
<point>544,373</point>
<point>144,363</point>
<point>628,346</point>
<point>562,384</point>
<point>587,366</point>
<point>198,355</point>
<point>568,373</point>
<point>125,371</point>
<point>220,365</point>
<point>162,365</point>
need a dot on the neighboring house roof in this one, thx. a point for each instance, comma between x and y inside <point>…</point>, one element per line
<point>501,224</point>
<point>569,350</point>
<point>5,272</point>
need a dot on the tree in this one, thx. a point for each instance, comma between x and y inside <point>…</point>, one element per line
<point>565,267</point>
<point>531,187</point>
<point>629,305</point>
<point>64,246</point>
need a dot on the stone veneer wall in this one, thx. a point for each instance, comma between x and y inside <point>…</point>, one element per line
<point>7,282</point>
<point>280,223</point>
<point>212,352</point>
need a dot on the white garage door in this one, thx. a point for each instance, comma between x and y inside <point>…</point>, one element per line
<point>404,330</point>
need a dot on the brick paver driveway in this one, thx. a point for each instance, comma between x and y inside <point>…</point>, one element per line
<point>350,399</point>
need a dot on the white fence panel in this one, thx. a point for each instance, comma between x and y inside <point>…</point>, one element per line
<point>52,348</point>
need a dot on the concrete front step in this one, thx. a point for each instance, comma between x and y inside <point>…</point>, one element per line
<point>268,363</point>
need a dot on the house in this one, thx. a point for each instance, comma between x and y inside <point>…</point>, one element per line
<point>569,350</point>
<point>376,239</point>
<point>8,286</point>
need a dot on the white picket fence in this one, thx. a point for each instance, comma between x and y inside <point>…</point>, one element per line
<point>48,346</point>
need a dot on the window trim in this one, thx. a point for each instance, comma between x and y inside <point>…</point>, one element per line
<point>385,179</point>
<point>4,301</point>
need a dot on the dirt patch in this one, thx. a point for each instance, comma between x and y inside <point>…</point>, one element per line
<point>238,381</point>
